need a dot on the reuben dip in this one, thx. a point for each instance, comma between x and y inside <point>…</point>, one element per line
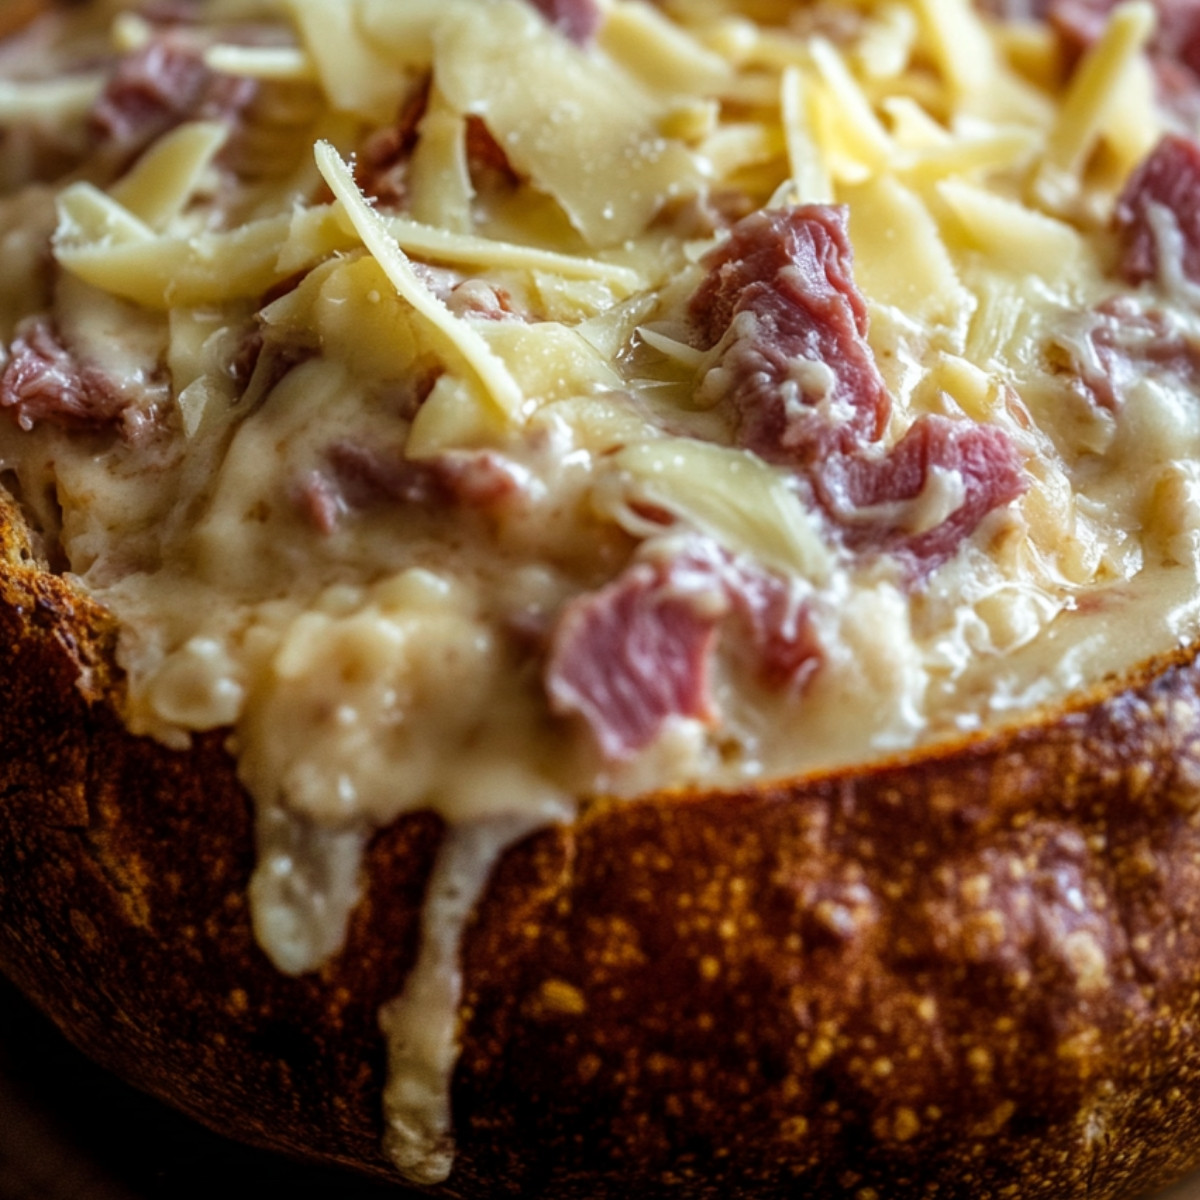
<point>481,405</point>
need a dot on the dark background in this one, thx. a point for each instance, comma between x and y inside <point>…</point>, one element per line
<point>69,1131</point>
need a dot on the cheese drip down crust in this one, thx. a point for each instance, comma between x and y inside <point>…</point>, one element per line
<point>482,405</point>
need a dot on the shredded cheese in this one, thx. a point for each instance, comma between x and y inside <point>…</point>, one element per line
<point>356,76</point>
<point>59,99</point>
<point>262,62</point>
<point>162,272</point>
<point>850,122</point>
<point>960,45</point>
<point>1089,100</point>
<point>813,185</point>
<point>555,112</point>
<point>440,178</point>
<point>164,179</point>
<point>438,244</point>
<point>475,353</point>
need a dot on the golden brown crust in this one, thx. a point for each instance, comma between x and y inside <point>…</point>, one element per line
<point>973,972</point>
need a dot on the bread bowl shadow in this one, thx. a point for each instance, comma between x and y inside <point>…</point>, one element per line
<point>973,971</point>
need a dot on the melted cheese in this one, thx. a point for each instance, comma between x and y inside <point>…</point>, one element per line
<point>374,449</point>
<point>745,504</point>
<point>422,1052</point>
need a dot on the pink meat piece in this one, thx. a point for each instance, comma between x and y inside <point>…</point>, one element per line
<point>476,298</point>
<point>778,624</point>
<point>1176,36</point>
<point>367,477</point>
<point>260,362</point>
<point>161,85</point>
<point>381,169</point>
<point>357,478</point>
<point>577,19</point>
<point>1014,10</point>
<point>989,474</point>
<point>779,294</point>
<point>171,12</point>
<point>629,657</point>
<point>1079,23</point>
<point>479,478</point>
<point>634,654</point>
<point>384,158</point>
<point>1126,342</point>
<point>487,159</point>
<point>1168,179</point>
<point>796,367</point>
<point>318,501</point>
<point>471,298</point>
<point>771,613</point>
<point>44,381</point>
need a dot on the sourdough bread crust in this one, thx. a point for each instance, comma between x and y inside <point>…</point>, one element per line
<point>975,972</point>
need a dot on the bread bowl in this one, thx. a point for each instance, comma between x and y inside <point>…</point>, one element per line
<point>618,616</point>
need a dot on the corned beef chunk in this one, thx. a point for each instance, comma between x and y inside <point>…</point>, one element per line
<point>1163,191</point>
<point>635,654</point>
<point>43,381</point>
<point>631,656</point>
<point>777,623</point>
<point>385,157</point>
<point>382,163</point>
<point>160,85</point>
<point>356,478</point>
<point>983,471</point>
<point>795,365</point>
<point>1014,10</point>
<point>1123,344</point>
<point>319,501</point>
<point>368,476</point>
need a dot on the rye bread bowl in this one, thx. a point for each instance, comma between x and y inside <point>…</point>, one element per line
<point>946,953</point>
<point>972,972</point>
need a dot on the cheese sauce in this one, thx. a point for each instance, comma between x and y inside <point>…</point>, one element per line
<point>356,361</point>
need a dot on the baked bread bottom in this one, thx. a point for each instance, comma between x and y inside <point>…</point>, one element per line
<point>972,972</point>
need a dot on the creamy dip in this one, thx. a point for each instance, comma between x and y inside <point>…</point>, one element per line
<point>481,405</point>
